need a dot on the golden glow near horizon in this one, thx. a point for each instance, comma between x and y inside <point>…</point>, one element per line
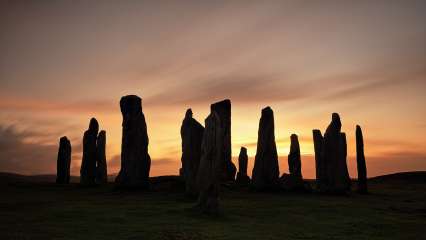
<point>63,63</point>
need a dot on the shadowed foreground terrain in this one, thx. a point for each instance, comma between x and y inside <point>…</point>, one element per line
<point>32,208</point>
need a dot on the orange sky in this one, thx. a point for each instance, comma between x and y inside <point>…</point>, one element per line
<point>65,62</point>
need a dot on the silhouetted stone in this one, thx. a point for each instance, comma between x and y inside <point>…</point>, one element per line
<point>135,160</point>
<point>294,180</point>
<point>88,163</point>
<point>360,160</point>
<point>223,109</point>
<point>334,158</point>
<point>266,171</point>
<point>319,165</point>
<point>63,161</point>
<point>294,162</point>
<point>101,165</point>
<point>192,135</point>
<point>242,177</point>
<point>211,165</point>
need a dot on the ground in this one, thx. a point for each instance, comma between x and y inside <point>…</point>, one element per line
<point>29,209</point>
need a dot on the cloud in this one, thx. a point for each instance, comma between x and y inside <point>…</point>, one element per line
<point>17,155</point>
<point>82,106</point>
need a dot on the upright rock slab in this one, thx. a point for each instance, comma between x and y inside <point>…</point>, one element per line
<point>294,161</point>
<point>266,171</point>
<point>319,165</point>
<point>223,109</point>
<point>191,133</point>
<point>211,166</point>
<point>101,165</point>
<point>360,161</point>
<point>135,160</point>
<point>242,177</point>
<point>63,161</point>
<point>88,163</point>
<point>334,157</point>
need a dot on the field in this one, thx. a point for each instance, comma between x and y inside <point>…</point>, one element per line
<point>33,208</point>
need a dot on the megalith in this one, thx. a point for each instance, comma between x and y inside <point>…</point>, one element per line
<point>63,161</point>
<point>242,177</point>
<point>135,160</point>
<point>360,160</point>
<point>211,165</point>
<point>101,165</point>
<point>334,154</point>
<point>88,162</point>
<point>320,170</point>
<point>191,133</point>
<point>266,170</point>
<point>223,110</point>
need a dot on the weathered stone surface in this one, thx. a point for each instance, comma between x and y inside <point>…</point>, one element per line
<point>360,160</point>
<point>88,163</point>
<point>135,160</point>
<point>319,165</point>
<point>101,165</point>
<point>266,171</point>
<point>334,157</point>
<point>223,109</point>
<point>63,161</point>
<point>191,133</point>
<point>242,177</point>
<point>212,161</point>
<point>294,162</point>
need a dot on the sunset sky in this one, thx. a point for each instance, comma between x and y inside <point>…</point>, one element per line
<point>63,62</point>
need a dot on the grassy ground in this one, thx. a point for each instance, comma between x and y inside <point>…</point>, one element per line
<point>28,210</point>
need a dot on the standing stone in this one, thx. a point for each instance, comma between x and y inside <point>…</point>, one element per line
<point>334,158</point>
<point>266,171</point>
<point>242,177</point>
<point>294,162</point>
<point>223,109</point>
<point>211,165</point>
<point>101,165</point>
<point>135,160</point>
<point>360,160</point>
<point>88,163</point>
<point>294,180</point>
<point>191,133</point>
<point>319,165</point>
<point>63,161</point>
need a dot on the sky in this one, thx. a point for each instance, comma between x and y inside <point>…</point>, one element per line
<point>63,62</point>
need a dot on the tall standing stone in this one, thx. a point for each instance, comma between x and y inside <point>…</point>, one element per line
<point>63,161</point>
<point>88,163</point>
<point>191,133</point>
<point>101,165</point>
<point>223,109</point>
<point>266,171</point>
<point>319,165</point>
<point>211,166</point>
<point>334,158</point>
<point>294,161</point>
<point>135,160</point>
<point>242,177</point>
<point>360,160</point>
